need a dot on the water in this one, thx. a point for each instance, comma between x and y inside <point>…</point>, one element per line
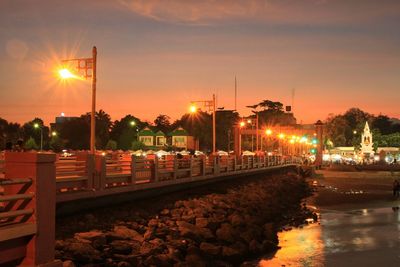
<point>363,237</point>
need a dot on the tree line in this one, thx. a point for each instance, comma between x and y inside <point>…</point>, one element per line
<point>346,129</point>
<point>122,134</point>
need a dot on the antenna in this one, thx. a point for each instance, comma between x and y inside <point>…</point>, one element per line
<point>235,94</point>
<point>293,95</point>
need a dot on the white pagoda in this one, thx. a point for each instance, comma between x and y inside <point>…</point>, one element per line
<point>367,148</point>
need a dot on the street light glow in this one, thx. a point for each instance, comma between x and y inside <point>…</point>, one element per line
<point>281,135</point>
<point>242,123</point>
<point>192,109</point>
<point>133,123</point>
<point>54,133</point>
<point>268,132</point>
<point>36,125</point>
<point>65,74</point>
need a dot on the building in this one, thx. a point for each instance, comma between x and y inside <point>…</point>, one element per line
<point>180,138</point>
<point>367,146</point>
<point>147,137</point>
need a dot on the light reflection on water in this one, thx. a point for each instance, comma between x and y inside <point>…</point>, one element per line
<point>344,238</point>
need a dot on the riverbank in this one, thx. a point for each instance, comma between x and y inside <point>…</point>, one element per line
<point>353,189</point>
<point>358,225</point>
<point>219,226</point>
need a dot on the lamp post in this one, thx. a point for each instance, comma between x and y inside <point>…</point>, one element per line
<point>87,67</point>
<point>211,106</point>
<point>37,126</point>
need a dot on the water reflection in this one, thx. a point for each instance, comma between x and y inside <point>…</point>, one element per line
<point>344,238</point>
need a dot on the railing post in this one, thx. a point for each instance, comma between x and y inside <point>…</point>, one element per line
<point>155,169</point>
<point>40,167</point>
<point>203,166</point>
<point>175,168</point>
<point>216,165</point>
<point>234,164</point>
<point>89,168</point>
<point>191,167</point>
<point>133,170</point>
<point>100,172</point>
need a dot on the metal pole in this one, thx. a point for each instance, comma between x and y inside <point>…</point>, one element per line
<point>93,113</point>
<point>41,139</point>
<point>214,133</point>
<point>256,131</point>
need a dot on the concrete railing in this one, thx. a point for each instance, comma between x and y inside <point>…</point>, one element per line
<point>121,174</point>
<point>27,210</point>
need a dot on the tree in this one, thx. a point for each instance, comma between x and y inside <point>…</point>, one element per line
<point>30,131</point>
<point>383,123</point>
<point>125,131</point>
<point>76,133</point>
<point>56,144</point>
<point>162,123</point>
<point>111,145</point>
<point>30,144</point>
<point>137,145</point>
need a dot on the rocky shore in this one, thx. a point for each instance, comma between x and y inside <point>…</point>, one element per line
<point>214,229</point>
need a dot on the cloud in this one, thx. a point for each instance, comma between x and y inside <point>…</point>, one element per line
<point>275,11</point>
<point>194,11</point>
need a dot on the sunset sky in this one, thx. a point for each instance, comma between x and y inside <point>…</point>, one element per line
<point>155,56</point>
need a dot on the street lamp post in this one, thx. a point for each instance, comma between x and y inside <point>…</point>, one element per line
<point>211,106</point>
<point>88,68</point>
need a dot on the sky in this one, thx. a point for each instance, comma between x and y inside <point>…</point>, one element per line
<point>156,56</point>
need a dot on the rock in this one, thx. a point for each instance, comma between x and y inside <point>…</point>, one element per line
<point>269,231</point>
<point>255,247</point>
<point>153,223</point>
<point>210,249</point>
<point>59,244</point>
<point>97,238</point>
<point>231,254</point>
<point>226,233</point>
<point>124,264</point>
<point>125,233</point>
<point>165,212</point>
<point>68,264</point>
<point>205,233</point>
<point>121,247</point>
<point>82,252</point>
<point>202,222</point>
<point>236,220</point>
<point>149,234</point>
<point>148,248</point>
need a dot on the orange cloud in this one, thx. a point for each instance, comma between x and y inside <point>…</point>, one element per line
<point>278,11</point>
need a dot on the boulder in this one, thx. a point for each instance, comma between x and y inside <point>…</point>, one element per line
<point>81,252</point>
<point>210,249</point>
<point>125,233</point>
<point>226,233</point>
<point>121,247</point>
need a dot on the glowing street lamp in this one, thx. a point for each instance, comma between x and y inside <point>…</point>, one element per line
<point>211,105</point>
<point>54,134</point>
<point>268,132</point>
<point>242,124</point>
<point>192,109</point>
<point>133,123</point>
<point>37,126</point>
<point>88,67</point>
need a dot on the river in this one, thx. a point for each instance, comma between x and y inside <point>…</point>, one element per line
<point>347,235</point>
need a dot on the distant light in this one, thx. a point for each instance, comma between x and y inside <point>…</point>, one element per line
<point>65,74</point>
<point>268,132</point>
<point>36,125</point>
<point>281,135</point>
<point>354,132</point>
<point>242,123</point>
<point>62,114</point>
<point>133,123</point>
<point>54,133</point>
<point>249,121</point>
<point>292,141</point>
<point>103,153</point>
